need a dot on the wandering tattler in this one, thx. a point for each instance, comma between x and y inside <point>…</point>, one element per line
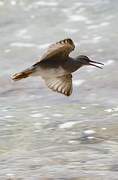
<point>56,67</point>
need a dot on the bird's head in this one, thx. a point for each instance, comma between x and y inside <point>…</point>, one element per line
<point>84,60</point>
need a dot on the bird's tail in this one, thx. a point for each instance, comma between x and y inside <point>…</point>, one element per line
<point>24,74</point>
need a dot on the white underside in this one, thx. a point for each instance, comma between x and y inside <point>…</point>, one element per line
<point>52,72</point>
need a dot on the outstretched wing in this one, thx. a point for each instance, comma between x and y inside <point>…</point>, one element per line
<point>62,84</point>
<point>58,50</point>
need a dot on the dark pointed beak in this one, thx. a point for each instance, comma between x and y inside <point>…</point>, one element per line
<point>93,63</point>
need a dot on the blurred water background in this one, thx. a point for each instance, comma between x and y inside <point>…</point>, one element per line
<point>44,135</point>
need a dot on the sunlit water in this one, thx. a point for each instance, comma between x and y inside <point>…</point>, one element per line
<point>44,135</point>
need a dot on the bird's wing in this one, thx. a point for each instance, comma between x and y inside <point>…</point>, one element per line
<point>62,84</point>
<point>58,50</point>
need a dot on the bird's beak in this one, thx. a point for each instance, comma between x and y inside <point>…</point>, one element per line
<point>93,63</point>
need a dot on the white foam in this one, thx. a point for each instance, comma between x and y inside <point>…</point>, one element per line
<point>43,3</point>
<point>72,142</point>
<point>96,39</point>
<point>115,109</point>
<point>10,175</point>
<point>8,116</point>
<point>32,16</point>
<point>68,124</point>
<point>34,111</point>
<point>91,137</point>
<point>46,118</point>
<point>69,30</point>
<point>78,82</point>
<point>109,62</point>
<point>104,24</point>
<point>47,106</point>
<point>88,69</point>
<point>57,115</point>
<point>7,50</point>
<point>13,3</point>
<point>115,115</point>
<point>36,115</point>
<point>23,33</point>
<point>20,44</point>
<point>104,128</point>
<point>93,27</point>
<point>37,124</point>
<point>108,110</point>
<point>83,107</point>
<point>77,18</point>
<point>43,46</point>
<point>100,50</point>
<point>89,132</point>
<point>1,3</point>
<point>5,110</point>
<point>78,4</point>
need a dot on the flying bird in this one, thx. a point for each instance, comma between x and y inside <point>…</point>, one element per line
<point>56,67</point>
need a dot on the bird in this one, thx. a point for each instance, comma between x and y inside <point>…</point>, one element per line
<point>56,66</point>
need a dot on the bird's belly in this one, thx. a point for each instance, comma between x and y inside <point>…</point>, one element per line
<point>50,72</point>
